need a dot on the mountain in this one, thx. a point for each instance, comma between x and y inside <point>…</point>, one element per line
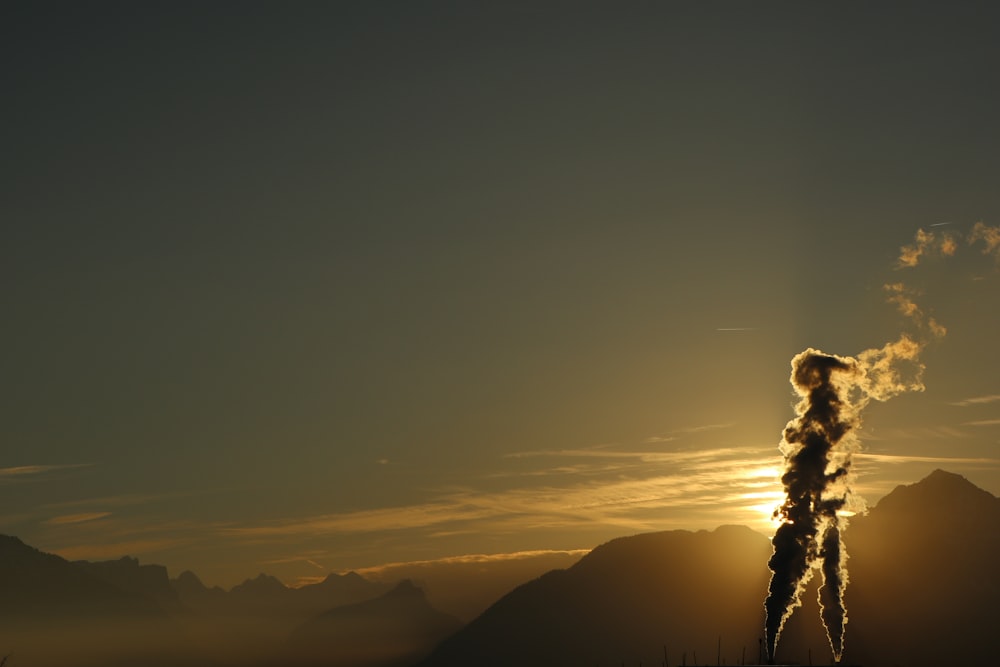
<point>624,601</point>
<point>265,595</point>
<point>126,574</point>
<point>924,584</point>
<point>393,629</point>
<point>924,591</point>
<point>249,623</point>
<point>337,590</point>
<point>43,586</point>
<point>193,593</point>
<point>53,613</point>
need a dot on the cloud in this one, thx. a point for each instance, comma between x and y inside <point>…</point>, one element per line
<point>76,518</point>
<point>990,236</point>
<point>116,549</point>
<point>32,472</point>
<point>641,456</point>
<point>702,483</point>
<point>944,460</point>
<point>900,295</point>
<point>926,243</point>
<point>915,433</point>
<point>123,500</point>
<point>306,557</point>
<point>473,559</point>
<point>702,428</point>
<point>977,400</point>
<point>983,422</point>
<point>364,521</point>
<point>892,369</point>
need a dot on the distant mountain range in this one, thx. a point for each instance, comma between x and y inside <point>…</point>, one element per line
<point>389,630</point>
<point>266,595</point>
<point>924,590</point>
<point>119,613</point>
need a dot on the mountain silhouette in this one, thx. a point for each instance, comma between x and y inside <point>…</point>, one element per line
<point>924,587</point>
<point>42,586</point>
<point>393,629</point>
<point>126,574</point>
<point>190,590</point>
<point>265,595</point>
<point>250,623</point>
<point>624,601</point>
<point>924,590</point>
<point>54,612</point>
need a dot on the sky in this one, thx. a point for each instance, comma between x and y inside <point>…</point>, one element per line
<point>318,286</point>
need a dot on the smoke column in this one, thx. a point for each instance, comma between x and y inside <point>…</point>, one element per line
<point>819,442</point>
<point>817,446</point>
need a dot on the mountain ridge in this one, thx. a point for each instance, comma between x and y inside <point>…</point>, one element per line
<point>396,628</point>
<point>923,591</point>
<point>624,602</point>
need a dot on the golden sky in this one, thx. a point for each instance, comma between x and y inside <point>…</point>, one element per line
<point>315,287</point>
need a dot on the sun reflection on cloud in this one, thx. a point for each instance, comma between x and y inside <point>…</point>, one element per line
<point>627,490</point>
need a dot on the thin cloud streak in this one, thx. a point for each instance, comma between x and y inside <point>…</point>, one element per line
<point>76,518</point>
<point>982,422</point>
<point>977,400</point>
<point>643,457</point>
<point>117,549</point>
<point>19,472</point>
<point>700,479</point>
<point>944,460</point>
<point>124,500</point>
<point>473,559</point>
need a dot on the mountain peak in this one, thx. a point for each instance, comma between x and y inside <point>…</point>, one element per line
<point>941,477</point>
<point>262,583</point>
<point>406,588</point>
<point>939,492</point>
<point>189,579</point>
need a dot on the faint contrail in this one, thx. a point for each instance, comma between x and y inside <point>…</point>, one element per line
<point>819,442</point>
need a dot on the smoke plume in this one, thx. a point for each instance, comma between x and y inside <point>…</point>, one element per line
<point>819,442</point>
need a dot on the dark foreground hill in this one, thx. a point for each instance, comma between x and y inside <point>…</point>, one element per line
<point>925,576</point>
<point>924,591</point>
<point>624,601</point>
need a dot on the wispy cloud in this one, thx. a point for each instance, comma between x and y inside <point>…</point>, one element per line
<point>917,433</point>
<point>686,430</point>
<point>943,460</point>
<point>710,481</point>
<point>124,500</point>
<point>365,521</point>
<point>642,456</point>
<point>474,559</point>
<point>76,518</point>
<point>105,551</point>
<point>982,422</point>
<point>977,400</point>
<point>307,557</point>
<point>34,472</point>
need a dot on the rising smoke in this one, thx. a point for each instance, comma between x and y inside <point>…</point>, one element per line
<point>819,442</point>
